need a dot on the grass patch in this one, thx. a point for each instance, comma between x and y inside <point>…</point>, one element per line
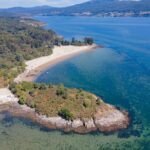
<point>52,100</point>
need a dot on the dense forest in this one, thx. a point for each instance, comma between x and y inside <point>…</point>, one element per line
<point>20,41</point>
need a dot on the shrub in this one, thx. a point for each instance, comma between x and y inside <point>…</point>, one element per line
<point>66,114</point>
<point>86,103</point>
<point>62,91</point>
<point>98,101</point>
<point>31,93</point>
<point>22,100</point>
<point>43,86</point>
<point>27,86</point>
<point>12,87</point>
<point>31,104</point>
<point>36,86</point>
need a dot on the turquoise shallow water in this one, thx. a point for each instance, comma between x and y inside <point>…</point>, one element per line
<point>119,73</point>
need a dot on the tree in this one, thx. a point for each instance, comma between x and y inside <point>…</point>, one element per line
<point>88,40</point>
<point>73,41</point>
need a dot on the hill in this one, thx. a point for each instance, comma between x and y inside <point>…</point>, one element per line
<point>27,11</point>
<point>90,8</point>
<point>107,8</point>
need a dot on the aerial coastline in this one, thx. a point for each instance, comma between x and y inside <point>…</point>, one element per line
<point>75,75</point>
<point>53,106</point>
<point>106,118</point>
<point>36,66</point>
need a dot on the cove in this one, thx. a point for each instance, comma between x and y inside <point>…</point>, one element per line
<point>119,73</point>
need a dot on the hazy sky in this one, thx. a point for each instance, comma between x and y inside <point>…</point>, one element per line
<point>30,3</point>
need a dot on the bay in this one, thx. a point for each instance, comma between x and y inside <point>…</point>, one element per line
<point>119,73</point>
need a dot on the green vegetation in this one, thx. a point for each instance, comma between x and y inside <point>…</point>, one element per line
<point>52,100</point>
<point>75,42</point>
<point>62,91</point>
<point>20,41</point>
<point>24,39</point>
<point>88,40</point>
<point>65,113</point>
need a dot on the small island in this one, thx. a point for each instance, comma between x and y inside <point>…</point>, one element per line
<point>26,51</point>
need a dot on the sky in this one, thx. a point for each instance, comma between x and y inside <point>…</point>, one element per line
<point>31,3</point>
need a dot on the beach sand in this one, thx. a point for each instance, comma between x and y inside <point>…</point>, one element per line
<point>36,66</point>
<point>6,96</point>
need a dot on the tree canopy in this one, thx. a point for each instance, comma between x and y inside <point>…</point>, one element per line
<point>20,41</point>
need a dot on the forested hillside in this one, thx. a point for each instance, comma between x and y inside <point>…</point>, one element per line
<point>89,8</point>
<point>107,8</point>
<point>18,42</point>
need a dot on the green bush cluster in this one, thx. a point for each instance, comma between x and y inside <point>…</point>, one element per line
<point>66,114</point>
<point>62,91</point>
<point>75,42</point>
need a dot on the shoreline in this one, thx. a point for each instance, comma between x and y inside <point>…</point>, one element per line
<point>38,65</point>
<point>107,118</point>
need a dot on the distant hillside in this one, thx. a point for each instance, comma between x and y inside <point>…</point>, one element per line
<point>107,7</point>
<point>27,11</point>
<point>90,8</point>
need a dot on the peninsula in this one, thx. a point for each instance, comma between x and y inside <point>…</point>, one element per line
<point>53,106</point>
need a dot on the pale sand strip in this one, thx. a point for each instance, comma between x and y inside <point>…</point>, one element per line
<point>36,66</point>
<point>6,96</point>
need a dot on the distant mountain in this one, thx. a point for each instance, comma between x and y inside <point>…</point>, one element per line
<point>28,11</point>
<point>107,7</point>
<point>91,8</point>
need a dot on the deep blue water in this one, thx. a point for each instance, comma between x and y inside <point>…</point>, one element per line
<point>119,73</point>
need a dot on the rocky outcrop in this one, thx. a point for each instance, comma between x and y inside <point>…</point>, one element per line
<point>107,119</point>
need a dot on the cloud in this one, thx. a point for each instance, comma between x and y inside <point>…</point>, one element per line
<point>31,3</point>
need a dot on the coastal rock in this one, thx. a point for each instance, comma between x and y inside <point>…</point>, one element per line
<point>77,123</point>
<point>89,123</point>
<point>107,119</point>
<point>58,122</point>
<point>110,119</point>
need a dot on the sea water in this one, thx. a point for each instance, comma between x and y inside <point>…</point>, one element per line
<point>119,73</point>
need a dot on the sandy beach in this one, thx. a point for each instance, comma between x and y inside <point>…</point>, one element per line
<point>36,66</point>
<point>6,96</point>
